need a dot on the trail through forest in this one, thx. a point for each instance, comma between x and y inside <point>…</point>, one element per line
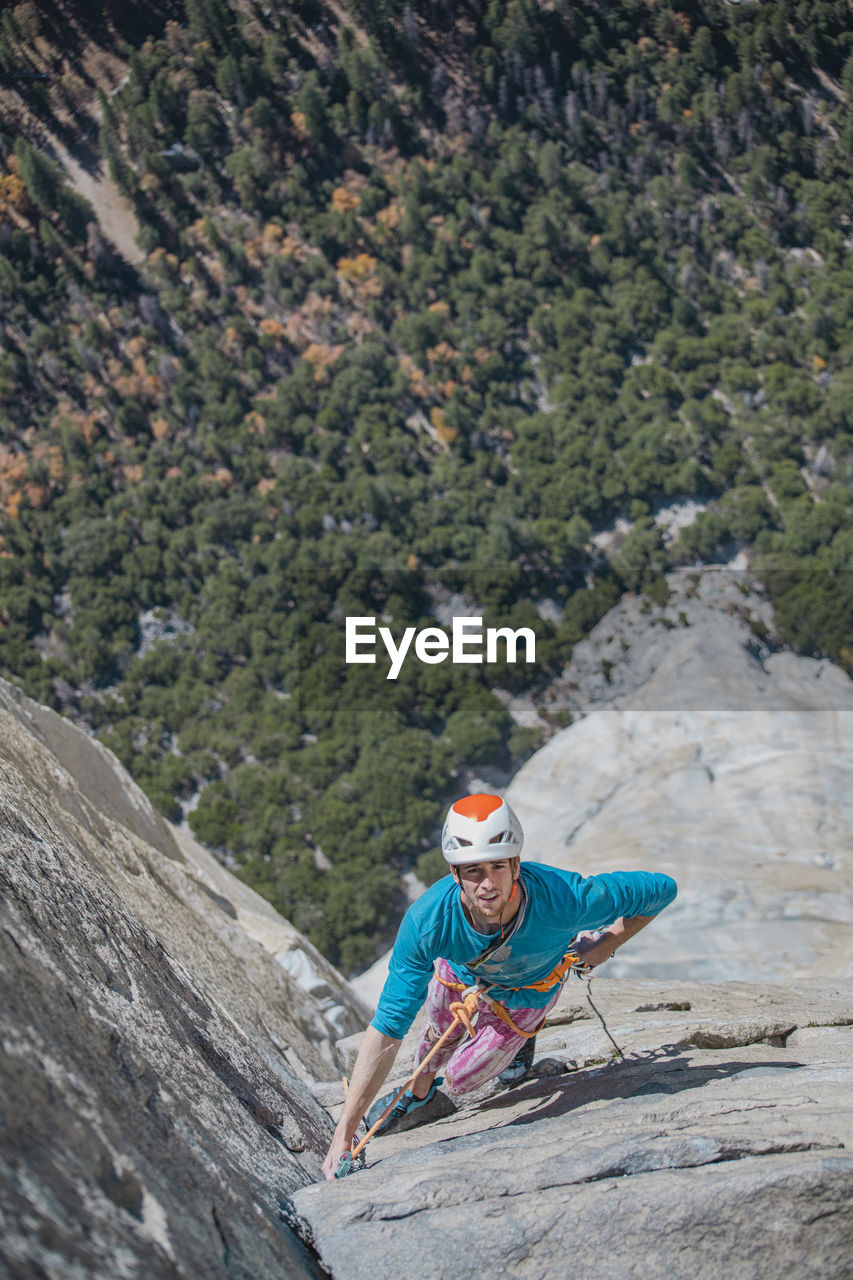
<point>114,211</point>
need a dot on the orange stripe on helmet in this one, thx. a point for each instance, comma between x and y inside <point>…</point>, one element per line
<point>478,806</point>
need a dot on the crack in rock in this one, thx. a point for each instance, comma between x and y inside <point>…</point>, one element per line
<point>660,1155</point>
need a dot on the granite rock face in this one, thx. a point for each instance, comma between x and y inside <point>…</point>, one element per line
<point>156,1057</point>
<point>703,754</point>
<point>718,1144</point>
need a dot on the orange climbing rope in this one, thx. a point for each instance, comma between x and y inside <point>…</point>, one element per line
<point>494,1005</point>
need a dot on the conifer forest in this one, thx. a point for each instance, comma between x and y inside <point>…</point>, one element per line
<point>424,297</point>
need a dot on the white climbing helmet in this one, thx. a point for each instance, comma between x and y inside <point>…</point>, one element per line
<point>480,828</point>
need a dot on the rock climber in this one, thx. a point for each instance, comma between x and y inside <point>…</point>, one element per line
<point>505,927</point>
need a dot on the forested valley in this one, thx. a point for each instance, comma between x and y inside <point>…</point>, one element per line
<point>431,296</point>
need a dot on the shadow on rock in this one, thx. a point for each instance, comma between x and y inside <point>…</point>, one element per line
<point>666,1070</point>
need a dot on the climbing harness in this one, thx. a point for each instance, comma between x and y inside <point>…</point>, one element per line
<point>571,961</point>
<point>496,1007</point>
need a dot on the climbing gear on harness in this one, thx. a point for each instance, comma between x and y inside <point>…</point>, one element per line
<point>520,1065</point>
<point>463,1011</point>
<point>496,1007</point>
<point>404,1107</point>
<point>571,961</point>
<point>480,828</point>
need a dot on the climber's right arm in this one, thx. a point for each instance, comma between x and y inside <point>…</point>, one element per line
<point>375,1059</point>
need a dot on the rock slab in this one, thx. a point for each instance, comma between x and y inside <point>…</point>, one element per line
<point>676,1159</point>
<point>155,1058</point>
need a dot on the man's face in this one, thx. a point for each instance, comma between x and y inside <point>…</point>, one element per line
<point>486,886</point>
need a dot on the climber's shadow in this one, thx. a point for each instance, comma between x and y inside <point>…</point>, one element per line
<point>666,1070</point>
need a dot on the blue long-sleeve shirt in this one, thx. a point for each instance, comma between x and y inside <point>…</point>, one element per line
<point>559,904</point>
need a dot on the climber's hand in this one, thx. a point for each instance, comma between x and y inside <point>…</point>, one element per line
<point>594,947</point>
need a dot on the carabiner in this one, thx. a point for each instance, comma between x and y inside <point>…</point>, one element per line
<point>348,1165</point>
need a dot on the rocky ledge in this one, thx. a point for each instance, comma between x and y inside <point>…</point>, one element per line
<point>679,1130</point>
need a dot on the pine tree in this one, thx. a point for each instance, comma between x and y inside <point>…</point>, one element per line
<point>40,176</point>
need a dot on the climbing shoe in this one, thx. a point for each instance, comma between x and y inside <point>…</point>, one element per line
<point>520,1065</point>
<point>408,1112</point>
